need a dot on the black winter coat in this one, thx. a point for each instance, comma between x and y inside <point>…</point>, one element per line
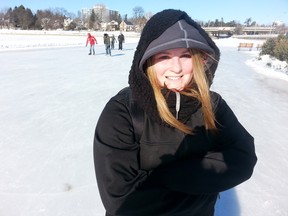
<point>168,173</point>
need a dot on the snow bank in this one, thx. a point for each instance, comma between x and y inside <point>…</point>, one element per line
<point>270,67</point>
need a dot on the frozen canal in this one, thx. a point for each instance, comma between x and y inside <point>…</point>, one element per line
<point>50,102</point>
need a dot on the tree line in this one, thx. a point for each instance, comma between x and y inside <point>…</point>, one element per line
<point>58,18</point>
<point>23,18</point>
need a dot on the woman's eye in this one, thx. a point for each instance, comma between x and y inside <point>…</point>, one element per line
<point>163,57</point>
<point>186,56</point>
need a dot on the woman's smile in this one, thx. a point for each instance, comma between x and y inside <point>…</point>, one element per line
<point>174,77</point>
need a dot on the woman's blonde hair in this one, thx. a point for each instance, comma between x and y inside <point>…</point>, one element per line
<point>198,88</point>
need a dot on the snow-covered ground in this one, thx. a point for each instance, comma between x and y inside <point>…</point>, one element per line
<point>52,93</point>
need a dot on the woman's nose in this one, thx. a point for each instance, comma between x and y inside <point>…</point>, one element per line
<point>175,65</point>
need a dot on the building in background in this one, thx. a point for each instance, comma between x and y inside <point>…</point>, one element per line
<point>126,26</point>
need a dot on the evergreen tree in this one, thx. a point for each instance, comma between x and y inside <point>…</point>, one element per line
<point>28,19</point>
<point>92,20</point>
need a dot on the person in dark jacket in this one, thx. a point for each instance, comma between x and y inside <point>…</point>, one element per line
<point>107,43</point>
<point>167,145</point>
<point>121,40</point>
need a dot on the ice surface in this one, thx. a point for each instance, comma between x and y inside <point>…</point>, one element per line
<point>51,99</point>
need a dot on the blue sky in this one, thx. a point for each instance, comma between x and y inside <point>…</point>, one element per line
<point>261,11</point>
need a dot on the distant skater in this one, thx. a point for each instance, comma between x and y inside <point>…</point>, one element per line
<point>91,40</point>
<point>121,40</point>
<point>113,41</point>
<point>107,43</point>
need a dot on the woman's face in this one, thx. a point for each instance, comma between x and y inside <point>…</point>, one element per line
<point>173,68</point>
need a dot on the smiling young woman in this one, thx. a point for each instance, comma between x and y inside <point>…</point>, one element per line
<point>191,145</point>
<point>173,69</point>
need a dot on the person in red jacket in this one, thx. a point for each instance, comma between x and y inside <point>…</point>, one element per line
<point>92,40</point>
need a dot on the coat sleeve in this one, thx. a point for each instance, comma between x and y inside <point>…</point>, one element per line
<point>230,164</point>
<point>116,156</point>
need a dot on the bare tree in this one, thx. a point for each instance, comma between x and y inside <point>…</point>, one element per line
<point>138,12</point>
<point>50,19</point>
<point>4,18</point>
<point>148,15</point>
<point>138,18</point>
<point>45,23</point>
<point>100,12</point>
<point>44,19</point>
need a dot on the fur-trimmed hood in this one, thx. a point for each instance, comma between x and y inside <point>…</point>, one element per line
<point>139,84</point>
